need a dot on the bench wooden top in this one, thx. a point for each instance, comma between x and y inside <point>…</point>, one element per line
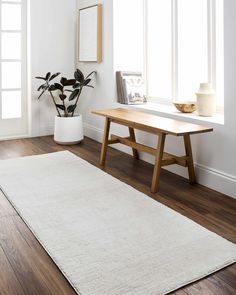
<point>151,123</point>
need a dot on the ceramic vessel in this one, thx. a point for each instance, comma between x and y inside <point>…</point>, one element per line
<point>68,130</point>
<point>206,100</point>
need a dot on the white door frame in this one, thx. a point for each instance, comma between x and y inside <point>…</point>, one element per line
<point>17,127</point>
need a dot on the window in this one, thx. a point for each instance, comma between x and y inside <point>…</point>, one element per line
<point>184,47</point>
<point>128,35</point>
<point>13,102</point>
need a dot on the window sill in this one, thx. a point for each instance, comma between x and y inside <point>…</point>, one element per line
<point>170,111</point>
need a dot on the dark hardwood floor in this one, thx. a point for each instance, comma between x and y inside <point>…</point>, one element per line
<point>25,268</point>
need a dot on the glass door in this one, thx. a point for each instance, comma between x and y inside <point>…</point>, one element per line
<point>13,69</point>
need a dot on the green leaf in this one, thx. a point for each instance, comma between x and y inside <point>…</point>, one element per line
<point>58,86</point>
<point>61,107</point>
<point>44,90</point>
<point>71,108</point>
<point>63,81</point>
<point>86,82</point>
<point>48,76</point>
<point>79,76</point>
<point>74,94</point>
<point>52,88</point>
<point>54,76</point>
<point>41,94</point>
<point>93,72</point>
<point>41,78</point>
<point>76,85</point>
<point>62,96</point>
<point>40,87</point>
<point>70,82</point>
<point>68,90</point>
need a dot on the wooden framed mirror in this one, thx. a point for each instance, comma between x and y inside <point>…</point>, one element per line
<point>90,34</point>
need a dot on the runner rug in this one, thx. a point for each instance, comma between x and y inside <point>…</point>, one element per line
<point>106,237</point>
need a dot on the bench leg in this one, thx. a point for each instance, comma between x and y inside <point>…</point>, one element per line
<point>105,142</point>
<point>188,149</point>
<point>158,160</point>
<point>132,137</point>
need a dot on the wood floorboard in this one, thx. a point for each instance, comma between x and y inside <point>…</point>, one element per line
<point>9,283</point>
<point>209,286</point>
<point>228,275</point>
<point>26,268</point>
<point>5,207</point>
<point>20,257</point>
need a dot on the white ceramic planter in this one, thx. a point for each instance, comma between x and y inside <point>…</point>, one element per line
<point>206,100</point>
<point>68,130</point>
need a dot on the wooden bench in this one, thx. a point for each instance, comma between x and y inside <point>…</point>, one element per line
<point>156,125</point>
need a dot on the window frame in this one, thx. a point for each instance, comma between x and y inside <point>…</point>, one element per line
<point>213,57</point>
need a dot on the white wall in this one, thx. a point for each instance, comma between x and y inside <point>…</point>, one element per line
<point>214,153</point>
<point>52,48</point>
<point>103,95</point>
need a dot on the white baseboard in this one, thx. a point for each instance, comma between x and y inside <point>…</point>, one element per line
<point>93,132</point>
<point>207,176</point>
<point>217,180</point>
<point>46,129</point>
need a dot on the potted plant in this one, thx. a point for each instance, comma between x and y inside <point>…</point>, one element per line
<point>65,96</point>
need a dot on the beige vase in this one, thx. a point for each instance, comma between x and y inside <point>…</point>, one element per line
<point>206,100</point>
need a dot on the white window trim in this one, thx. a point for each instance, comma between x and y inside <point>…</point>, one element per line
<point>212,55</point>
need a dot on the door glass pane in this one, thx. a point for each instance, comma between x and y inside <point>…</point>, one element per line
<point>192,47</point>
<point>11,75</point>
<point>159,69</point>
<point>11,46</point>
<point>11,17</point>
<point>11,104</point>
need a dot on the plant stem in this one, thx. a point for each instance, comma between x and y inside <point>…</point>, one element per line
<point>63,101</point>
<point>55,104</point>
<point>65,111</point>
<point>77,101</point>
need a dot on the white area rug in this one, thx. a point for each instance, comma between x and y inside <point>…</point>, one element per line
<point>106,237</point>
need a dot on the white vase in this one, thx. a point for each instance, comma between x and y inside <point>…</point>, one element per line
<point>68,130</point>
<point>206,100</point>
